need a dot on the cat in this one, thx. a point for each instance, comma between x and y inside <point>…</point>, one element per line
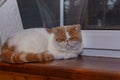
<point>43,44</point>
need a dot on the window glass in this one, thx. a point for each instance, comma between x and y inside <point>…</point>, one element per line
<point>102,15</point>
<point>39,13</point>
<point>91,14</point>
<point>74,11</point>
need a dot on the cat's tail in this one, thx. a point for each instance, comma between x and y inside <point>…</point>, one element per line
<point>9,55</point>
<point>25,57</point>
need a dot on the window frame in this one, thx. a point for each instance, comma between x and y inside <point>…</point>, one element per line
<point>101,39</point>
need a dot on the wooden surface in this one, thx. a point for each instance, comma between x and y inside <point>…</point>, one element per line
<point>17,76</point>
<point>82,68</point>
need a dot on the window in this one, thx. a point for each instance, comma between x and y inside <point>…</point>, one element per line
<point>102,15</point>
<point>100,19</point>
<point>39,13</point>
<point>102,24</point>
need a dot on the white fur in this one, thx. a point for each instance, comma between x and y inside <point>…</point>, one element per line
<point>67,35</point>
<point>30,41</point>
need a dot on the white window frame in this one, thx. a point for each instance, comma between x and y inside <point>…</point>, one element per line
<point>106,40</point>
<point>101,39</point>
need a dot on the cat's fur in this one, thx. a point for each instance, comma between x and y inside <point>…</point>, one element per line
<point>42,44</point>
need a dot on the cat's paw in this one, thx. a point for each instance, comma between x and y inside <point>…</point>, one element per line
<point>48,57</point>
<point>69,56</point>
<point>45,57</point>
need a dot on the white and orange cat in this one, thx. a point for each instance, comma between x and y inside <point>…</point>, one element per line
<point>42,44</point>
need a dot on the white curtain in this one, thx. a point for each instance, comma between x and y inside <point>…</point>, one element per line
<point>75,10</point>
<point>47,16</point>
<point>10,20</point>
<point>2,2</point>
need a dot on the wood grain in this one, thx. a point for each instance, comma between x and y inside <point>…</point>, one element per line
<point>82,68</point>
<point>57,78</point>
<point>4,75</point>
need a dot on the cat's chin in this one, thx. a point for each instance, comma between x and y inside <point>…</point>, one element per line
<point>61,49</point>
<point>68,51</point>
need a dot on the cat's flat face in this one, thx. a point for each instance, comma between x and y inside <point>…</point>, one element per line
<point>68,38</point>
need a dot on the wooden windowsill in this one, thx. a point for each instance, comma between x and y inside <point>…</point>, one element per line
<point>82,68</point>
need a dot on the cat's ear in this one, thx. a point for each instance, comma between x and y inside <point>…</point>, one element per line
<point>77,27</point>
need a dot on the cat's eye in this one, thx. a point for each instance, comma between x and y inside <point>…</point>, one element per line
<point>60,39</point>
<point>74,38</point>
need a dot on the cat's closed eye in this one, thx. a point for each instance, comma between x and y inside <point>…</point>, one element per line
<point>60,39</point>
<point>74,39</point>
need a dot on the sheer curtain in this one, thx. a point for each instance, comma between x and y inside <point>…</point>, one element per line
<point>48,12</point>
<point>10,21</point>
<point>46,15</point>
<point>2,2</point>
<point>75,11</point>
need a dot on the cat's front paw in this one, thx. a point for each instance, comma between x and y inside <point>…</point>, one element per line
<point>69,56</point>
<point>45,57</point>
<point>48,57</point>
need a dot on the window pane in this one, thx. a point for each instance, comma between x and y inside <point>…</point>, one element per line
<point>93,14</point>
<point>73,11</point>
<point>37,13</point>
<point>103,15</point>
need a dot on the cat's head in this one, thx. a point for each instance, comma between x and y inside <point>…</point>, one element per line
<point>68,38</point>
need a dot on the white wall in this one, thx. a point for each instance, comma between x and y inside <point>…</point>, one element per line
<point>10,21</point>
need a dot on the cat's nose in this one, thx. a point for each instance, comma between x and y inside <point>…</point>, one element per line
<point>67,41</point>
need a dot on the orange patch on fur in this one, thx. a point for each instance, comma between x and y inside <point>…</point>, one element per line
<point>16,59</point>
<point>75,34</point>
<point>7,52</point>
<point>32,57</point>
<point>45,57</point>
<point>60,34</point>
<point>49,30</point>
